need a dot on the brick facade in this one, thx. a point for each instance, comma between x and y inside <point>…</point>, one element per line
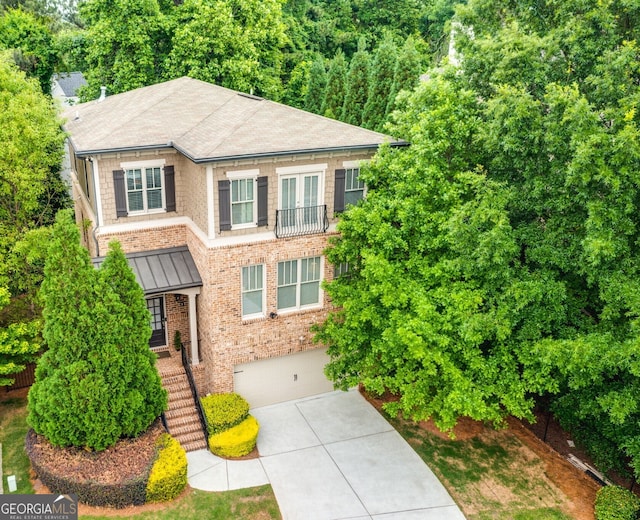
<point>225,338</point>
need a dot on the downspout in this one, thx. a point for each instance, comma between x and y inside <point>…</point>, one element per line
<point>97,213</point>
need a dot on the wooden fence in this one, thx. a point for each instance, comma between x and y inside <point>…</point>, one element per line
<point>23,379</point>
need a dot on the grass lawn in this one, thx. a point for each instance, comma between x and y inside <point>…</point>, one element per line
<point>492,476</point>
<point>251,504</point>
<point>13,429</point>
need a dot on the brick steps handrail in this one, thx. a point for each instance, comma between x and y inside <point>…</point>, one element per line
<point>194,391</point>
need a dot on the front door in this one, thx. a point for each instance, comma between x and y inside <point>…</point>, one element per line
<point>158,335</point>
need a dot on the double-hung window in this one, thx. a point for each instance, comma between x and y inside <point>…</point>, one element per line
<point>144,189</point>
<point>253,291</point>
<point>353,186</point>
<point>243,195</point>
<point>299,283</point>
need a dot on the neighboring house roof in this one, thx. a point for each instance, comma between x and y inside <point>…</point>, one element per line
<point>207,123</point>
<point>162,270</point>
<point>70,82</point>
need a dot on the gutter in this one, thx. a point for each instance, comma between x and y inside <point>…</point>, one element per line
<point>201,160</point>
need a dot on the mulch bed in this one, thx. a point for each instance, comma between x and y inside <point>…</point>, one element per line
<point>128,459</point>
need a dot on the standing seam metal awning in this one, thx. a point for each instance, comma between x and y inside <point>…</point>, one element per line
<point>163,270</point>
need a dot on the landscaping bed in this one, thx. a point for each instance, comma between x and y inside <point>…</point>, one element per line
<point>123,468</point>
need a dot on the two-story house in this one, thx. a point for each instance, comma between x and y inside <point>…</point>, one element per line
<point>223,202</point>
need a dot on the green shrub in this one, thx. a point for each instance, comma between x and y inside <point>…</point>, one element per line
<point>616,503</point>
<point>224,411</point>
<point>168,476</point>
<point>237,441</point>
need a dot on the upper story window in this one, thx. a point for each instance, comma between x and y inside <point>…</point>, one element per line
<point>353,186</point>
<point>253,291</point>
<point>144,187</point>
<point>349,189</point>
<point>243,198</point>
<point>299,283</point>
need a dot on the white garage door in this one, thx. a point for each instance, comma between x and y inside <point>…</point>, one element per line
<point>284,378</point>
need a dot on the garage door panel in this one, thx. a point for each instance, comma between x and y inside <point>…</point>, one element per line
<point>283,378</point>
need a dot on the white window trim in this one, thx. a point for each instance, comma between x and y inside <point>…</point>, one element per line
<point>305,168</point>
<point>299,307</point>
<point>238,175</point>
<point>134,165</point>
<point>255,315</point>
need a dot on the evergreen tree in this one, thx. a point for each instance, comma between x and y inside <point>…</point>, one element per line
<point>380,85</point>
<point>317,86</point>
<point>357,90</point>
<point>407,72</point>
<point>96,383</point>
<point>334,95</point>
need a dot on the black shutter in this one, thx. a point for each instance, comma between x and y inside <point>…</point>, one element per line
<point>224,196</point>
<point>338,194</point>
<point>263,201</point>
<point>120,193</point>
<point>170,187</point>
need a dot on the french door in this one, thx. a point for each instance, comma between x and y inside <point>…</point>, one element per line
<point>299,198</point>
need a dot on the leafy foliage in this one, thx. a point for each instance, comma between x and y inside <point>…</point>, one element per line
<point>496,258</point>
<point>236,441</point>
<point>336,85</point>
<point>224,411</point>
<point>616,503</point>
<point>168,476</point>
<point>31,43</point>
<point>357,90</point>
<point>381,84</point>
<point>97,382</point>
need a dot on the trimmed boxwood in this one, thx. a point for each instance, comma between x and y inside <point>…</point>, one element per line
<point>168,476</point>
<point>224,411</point>
<point>616,503</point>
<point>237,441</point>
<point>132,492</point>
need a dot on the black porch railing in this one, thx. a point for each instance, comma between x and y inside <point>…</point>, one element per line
<point>194,392</point>
<point>301,221</point>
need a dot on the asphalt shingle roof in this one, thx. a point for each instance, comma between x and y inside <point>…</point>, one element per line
<point>207,123</point>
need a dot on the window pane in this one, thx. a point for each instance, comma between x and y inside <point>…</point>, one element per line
<point>252,277</point>
<point>286,297</point>
<point>153,178</point>
<point>309,293</point>
<point>135,201</point>
<point>154,199</point>
<point>311,190</point>
<point>287,272</point>
<point>252,303</point>
<point>352,197</point>
<point>242,213</point>
<point>310,269</point>
<point>134,180</point>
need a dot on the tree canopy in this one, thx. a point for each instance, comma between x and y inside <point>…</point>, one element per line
<point>496,258</point>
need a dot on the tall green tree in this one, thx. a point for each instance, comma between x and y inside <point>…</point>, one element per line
<point>126,44</point>
<point>31,42</point>
<point>357,90</point>
<point>97,382</point>
<point>317,86</point>
<point>536,258</point>
<point>406,74</point>
<point>335,91</point>
<point>31,149</point>
<point>381,81</point>
<point>234,43</point>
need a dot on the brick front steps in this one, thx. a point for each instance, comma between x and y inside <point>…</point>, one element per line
<point>182,415</point>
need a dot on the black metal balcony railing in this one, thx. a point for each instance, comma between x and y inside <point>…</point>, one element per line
<point>301,221</point>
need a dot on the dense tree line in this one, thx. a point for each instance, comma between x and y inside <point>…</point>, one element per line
<point>495,261</point>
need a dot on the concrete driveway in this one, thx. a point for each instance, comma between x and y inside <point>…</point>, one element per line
<point>331,457</point>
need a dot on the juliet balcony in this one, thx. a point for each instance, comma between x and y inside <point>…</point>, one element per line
<point>308,220</point>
